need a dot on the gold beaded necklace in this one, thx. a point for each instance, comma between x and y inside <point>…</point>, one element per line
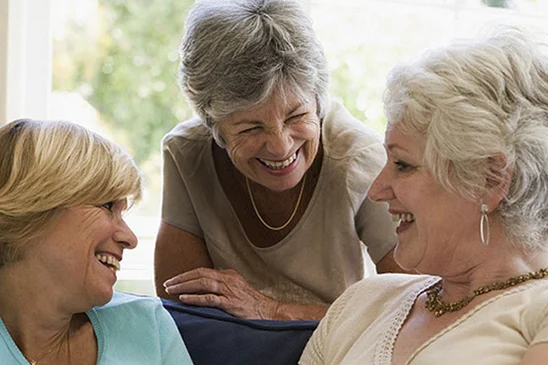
<point>436,304</point>
<point>272,228</point>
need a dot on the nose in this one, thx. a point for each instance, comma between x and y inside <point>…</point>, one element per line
<point>381,188</point>
<point>125,236</point>
<point>279,143</point>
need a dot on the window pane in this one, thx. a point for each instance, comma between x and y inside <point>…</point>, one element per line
<point>115,65</point>
<point>114,70</point>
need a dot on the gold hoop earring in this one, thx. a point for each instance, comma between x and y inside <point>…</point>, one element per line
<point>485,233</point>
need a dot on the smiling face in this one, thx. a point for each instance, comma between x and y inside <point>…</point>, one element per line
<point>435,225</point>
<point>275,143</point>
<point>80,253</point>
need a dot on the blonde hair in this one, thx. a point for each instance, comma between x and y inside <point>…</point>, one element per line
<point>48,166</point>
<point>474,100</point>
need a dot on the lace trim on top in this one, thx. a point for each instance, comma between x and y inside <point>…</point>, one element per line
<point>385,346</point>
<point>469,314</point>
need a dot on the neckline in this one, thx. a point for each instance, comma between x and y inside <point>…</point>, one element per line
<point>384,353</point>
<point>18,354</point>
<point>230,208</point>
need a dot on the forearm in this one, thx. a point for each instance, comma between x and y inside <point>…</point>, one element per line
<point>176,252</point>
<point>289,311</point>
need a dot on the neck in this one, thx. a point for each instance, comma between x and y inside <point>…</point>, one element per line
<point>32,319</point>
<point>499,264</point>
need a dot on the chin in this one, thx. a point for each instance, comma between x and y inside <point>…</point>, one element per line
<point>103,298</point>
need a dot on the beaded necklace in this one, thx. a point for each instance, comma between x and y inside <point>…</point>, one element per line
<point>438,307</point>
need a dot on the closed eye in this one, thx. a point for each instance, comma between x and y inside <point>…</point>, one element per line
<point>248,130</point>
<point>295,118</point>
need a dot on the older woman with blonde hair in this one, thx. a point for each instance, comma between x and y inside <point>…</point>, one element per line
<point>467,179</point>
<point>63,190</point>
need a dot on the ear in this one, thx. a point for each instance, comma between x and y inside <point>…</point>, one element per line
<point>498,180</point>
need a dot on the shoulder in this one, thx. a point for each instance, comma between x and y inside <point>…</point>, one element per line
<point>354,152</point>
<point>131,304</point>
<point>190,131</point>
<point>535,314</point>
<point>390,285</point>
<point>365,296</point>
<point>345,135</point>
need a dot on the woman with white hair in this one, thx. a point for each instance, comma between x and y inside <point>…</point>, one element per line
<point>467,179</point>
<point>264,209</point>
<point>63,190</point>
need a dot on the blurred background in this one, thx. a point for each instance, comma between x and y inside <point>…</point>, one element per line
<point>112,64</point>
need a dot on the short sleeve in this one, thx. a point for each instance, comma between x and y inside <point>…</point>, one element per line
<point>177,207</point>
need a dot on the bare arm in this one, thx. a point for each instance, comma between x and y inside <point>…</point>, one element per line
<point>177,251</point>
<point>229,291</point>
<point>181,259</point>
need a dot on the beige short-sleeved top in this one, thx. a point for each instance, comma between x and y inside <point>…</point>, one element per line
<point>358,330</point>
<point>322,255</point>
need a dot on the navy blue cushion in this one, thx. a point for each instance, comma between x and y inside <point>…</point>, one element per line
<point>213,337</point>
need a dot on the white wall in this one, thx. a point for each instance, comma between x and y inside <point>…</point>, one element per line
<point>25,58</point>
<point>4,9</point>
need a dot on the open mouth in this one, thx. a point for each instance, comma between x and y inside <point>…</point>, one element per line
<point>109,261</point>
<point>403,218</point>
<point>278,165</point>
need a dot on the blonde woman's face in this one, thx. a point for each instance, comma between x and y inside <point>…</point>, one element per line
<point>275,143</point>
<point>79,256</point>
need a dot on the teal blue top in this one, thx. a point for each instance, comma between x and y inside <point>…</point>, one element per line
<point>130,329</point>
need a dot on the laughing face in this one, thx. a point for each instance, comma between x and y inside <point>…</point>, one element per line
<point>275,143</point>
<point>81,252</point>
<point>434,224</point>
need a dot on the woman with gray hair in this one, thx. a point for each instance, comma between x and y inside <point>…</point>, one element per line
<point>264,203</point>
<point>63,190</point>
<point>467,178</point>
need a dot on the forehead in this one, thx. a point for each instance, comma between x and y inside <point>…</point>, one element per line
<point>277,105</point>
<point>396,141</point>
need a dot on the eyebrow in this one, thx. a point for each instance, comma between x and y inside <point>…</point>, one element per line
<point>393,146</point>
<point>256,122</point>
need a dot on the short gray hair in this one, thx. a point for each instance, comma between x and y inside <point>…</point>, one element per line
<point>476,99</point>
<point>235,54</point>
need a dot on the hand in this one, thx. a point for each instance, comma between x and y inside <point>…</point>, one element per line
<point>223,289</point>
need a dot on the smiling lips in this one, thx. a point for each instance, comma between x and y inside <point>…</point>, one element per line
<point>402,218</point>
<point>109,261</point>
<point>278,165</point>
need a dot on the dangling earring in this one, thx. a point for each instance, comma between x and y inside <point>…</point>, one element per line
<point>485,234</point>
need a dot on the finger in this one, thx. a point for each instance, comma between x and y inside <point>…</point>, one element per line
<point>191,275</point>
<point>201,285</point>
<point>203,300</point>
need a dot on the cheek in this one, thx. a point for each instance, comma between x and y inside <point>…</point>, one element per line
<point>312,128</point>
<point>241,149</point>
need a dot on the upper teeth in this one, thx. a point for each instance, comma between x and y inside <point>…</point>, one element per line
<point>280,164</point>
<point>403,217</point>
<point>111,261</point>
